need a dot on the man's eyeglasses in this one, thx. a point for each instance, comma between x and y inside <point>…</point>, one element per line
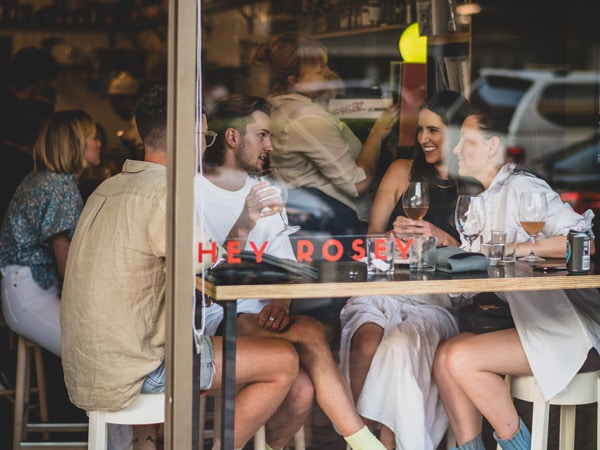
<point>210,137</point>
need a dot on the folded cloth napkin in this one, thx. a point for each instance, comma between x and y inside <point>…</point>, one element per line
<point>455,259</point>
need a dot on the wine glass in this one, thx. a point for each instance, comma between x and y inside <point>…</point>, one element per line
<point>415,200</point>
<point>469,217</point>
<point>276,181</point>
<point>533,208</point>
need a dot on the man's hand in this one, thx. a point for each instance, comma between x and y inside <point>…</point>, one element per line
<point>274,318</point>
<point>261,196</point>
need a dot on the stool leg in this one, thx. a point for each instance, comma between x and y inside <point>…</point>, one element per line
<point>539,425</point>
<point>97,432</point>
<point>260,439</point>
<point>41,387</point>
<point>567,427</point>
<point>20,393</point>
<point>299,441</point>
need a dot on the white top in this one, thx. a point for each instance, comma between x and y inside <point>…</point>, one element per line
<point>502,206</point>
<point>218,210</point>
<point>557,328</point>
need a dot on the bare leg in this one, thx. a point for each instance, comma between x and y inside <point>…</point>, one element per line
<point>332,393</point>
<point>467,370</point>
<point>264,388</point>
<point>364,344</point>
<point>292,413</point>
<point>144,437</point>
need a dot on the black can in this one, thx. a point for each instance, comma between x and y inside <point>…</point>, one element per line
<point>578,251</point>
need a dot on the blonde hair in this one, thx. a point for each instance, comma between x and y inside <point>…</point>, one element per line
<point>286,55</point>
<point>60,146</point>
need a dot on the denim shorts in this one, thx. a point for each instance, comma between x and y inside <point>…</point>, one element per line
<point>155,381</point>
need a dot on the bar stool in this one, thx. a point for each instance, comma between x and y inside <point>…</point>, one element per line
<point>30,357</point>
<point>146,409</point>
<point>582,390</point>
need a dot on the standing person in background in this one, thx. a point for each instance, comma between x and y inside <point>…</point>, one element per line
<point>24,107</point>
<point>39,224</point>
<point>555,330</point>
<point>388,342</point>
<point>313,149</point>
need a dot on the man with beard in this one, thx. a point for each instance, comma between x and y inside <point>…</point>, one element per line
<point>235,206</point>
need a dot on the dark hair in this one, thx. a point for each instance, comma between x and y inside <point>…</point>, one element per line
<point>286,55</point>
<point>233,111</point>
<point>30,65</point>
<point>151,116</point>
<point>452,108</point>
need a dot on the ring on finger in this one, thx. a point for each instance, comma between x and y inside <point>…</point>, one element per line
<point>271,318</point>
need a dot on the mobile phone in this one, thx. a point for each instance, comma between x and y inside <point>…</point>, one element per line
<point>550,267</point>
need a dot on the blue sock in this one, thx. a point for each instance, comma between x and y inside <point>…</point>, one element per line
<point>520,441</point>
<point>474,444</point>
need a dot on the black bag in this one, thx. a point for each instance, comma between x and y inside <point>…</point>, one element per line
<point>487,313</point>
<point>269,270</point>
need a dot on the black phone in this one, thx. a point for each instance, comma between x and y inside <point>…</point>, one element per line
<point>550,267</point>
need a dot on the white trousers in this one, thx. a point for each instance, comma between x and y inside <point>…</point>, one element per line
<point>29,310</point>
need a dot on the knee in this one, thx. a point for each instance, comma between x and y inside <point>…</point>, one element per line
<point>288,361</point>
<point>364,344</point>
<point>310,331</point>
<point>457,360</point>
<point>302,393</point>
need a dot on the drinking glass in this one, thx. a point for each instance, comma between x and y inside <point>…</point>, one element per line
<point>276,181</point>
<point>533,209</point>
<point>469,217</point>
<point>415,200</point>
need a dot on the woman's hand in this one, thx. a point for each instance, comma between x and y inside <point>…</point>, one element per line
<point>386,121</point>
<point>404,225</point>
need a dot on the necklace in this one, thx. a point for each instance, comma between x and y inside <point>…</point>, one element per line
<point>448,186</point>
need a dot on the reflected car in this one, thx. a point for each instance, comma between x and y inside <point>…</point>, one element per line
<point>575,168</point>
<point>540,111</point>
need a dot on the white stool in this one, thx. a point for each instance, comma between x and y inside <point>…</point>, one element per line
<point>582,390</point>
<point>146,409</point>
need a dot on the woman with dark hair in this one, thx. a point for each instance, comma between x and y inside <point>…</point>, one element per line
<point>433,162</point>
<point>312,148</point>
<point>39,224</point>
<point>388,342</point>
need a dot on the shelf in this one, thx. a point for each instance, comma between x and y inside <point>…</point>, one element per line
<point>358,31</point>
<point>444,39</point>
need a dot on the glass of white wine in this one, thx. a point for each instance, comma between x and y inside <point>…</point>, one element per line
<point>533,208</point>
<point>276,181</point>
<point>469,217</point>
<point>415,200</point>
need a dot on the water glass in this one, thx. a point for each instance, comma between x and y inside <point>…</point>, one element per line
<point>422,254</point>
<point>492,245</point>
<point>380,255</point>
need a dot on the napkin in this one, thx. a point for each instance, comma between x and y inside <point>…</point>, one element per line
<point>454,259</point>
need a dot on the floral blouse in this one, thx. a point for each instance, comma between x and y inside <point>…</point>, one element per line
<point>45,204</point>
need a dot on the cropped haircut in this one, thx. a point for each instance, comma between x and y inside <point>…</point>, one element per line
<point>151,116</point>
<point>233,111</point>
<point>60,146</point>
